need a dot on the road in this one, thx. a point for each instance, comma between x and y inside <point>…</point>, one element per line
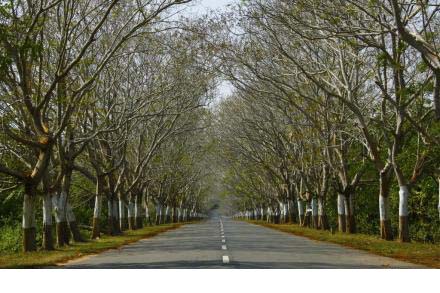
<point>225,243</point>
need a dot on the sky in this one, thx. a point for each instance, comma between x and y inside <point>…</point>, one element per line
<point>201,6</point>
<point>211,4</point>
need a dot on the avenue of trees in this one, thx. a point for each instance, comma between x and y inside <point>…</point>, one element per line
<point>333,123</point>
<point>335,120</point>
<point>102,118</point>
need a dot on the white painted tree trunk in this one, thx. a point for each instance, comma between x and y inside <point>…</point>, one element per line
<point>320,208</point>
<point>47,222</point>
<point>110,209</point>
<point>300,211</point>
<point>96,215</point>
<point>136,209</point>
<point>59,204</point>
<point>130,209</point>
<point>167,214</point>
<point>47,210</point>
<point>98,207</point>
<point>28,223</point>
<point>341,212</point>
<point>383,208</point>
<point>28,212</point>
<point>158,210</point>
<point>403,214</point>
<point>403,201</point>
<point>130,214</point>
<point>137,213</point>
<point>147,213</point>
<point>179,214</point>
<point>122,215</point>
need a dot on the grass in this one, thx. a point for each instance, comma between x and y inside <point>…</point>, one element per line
<point>415,252</point>
<point>40,259</point>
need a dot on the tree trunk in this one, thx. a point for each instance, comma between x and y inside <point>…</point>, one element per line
<point>28,224</point>
<point>47,222</point>
<point>123,222</point>
<point>281,213</point>
<point>110,217</point>
<point>384,208</point>
<point>131,223</point>
<point>185,215</point>
<point>315,213</point>
<point>158,212</point>
<point>349,214</point>
<point>403,214</point>
<point>167,215</point>
<point>62,229</point>
<point>300,212</point>
<point>116,227</point>
<point>322,216</point>
<point>137,213</point>
<point>341,213</point>
<point>308,215</point>
<point>73,225</point>
<point>147,215</point>
<point>96,214</point>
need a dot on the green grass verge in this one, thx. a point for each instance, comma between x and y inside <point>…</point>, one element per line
<point>41,259</point>
<point>415,252</point>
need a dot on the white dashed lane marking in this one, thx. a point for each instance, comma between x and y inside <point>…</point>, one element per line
<point>225,259</point>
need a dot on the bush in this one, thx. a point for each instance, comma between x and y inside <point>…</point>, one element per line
<point>10,238</point>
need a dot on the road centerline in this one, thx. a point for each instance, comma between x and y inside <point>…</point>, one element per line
<point>225,259</point>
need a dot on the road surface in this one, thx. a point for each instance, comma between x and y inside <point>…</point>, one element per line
<point>225,243</point>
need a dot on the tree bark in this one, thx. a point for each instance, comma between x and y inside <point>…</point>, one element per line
<point>384,207</point>
<point>60,218</point>
<point>147,215</point>
<point>137,213</point>
<point>300,212</point>
<point>350,221</point>
<point>403,214</point>
<point>315,218</point>
<point>341,213</point>
<point>115,207</point>
<point>322,216</point>
<point>307,222</point>
<point>28,224</point>
<point>158,214</point>
<point>73,225</point>
<point>47,222</point>
<point>167,215</point>
<point>131,223</point>
<point>123,222</point>
<point>96,214</point>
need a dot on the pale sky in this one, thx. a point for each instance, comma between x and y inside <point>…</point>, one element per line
<point>212,4</point>
<point>203,6</point>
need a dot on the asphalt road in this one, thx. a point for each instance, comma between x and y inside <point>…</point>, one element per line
<point>225,243</point>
